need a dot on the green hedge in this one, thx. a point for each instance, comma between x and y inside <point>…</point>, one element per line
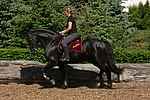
<point>132,56</point>
<point>122,55</point>
<point>20,54</point>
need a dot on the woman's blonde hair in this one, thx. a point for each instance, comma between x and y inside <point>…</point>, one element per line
<point>71,10</point>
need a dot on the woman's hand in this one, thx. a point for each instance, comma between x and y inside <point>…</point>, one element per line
<point>62,32</point>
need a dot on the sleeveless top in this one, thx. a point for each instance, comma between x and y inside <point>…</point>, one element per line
<point>74,27</point>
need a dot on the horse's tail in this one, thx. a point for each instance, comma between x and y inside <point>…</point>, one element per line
<point>111,60</point>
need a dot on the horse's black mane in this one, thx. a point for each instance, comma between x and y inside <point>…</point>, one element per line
<point>43,29</point>
<point>44,33</point>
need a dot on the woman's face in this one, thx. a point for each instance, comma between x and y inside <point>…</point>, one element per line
<point>66,13</point>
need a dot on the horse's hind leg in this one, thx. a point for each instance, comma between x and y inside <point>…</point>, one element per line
<point>99,79</point>
<point>108,74</point>
<point>103,68</point>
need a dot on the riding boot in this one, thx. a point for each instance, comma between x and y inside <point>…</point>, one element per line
<point>66,54</point>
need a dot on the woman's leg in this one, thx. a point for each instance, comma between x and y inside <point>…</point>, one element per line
<point>67,40</point>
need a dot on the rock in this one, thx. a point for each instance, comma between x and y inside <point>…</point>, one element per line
<point>30,72</point>
<point>11,71</point>
<point>136,72</point>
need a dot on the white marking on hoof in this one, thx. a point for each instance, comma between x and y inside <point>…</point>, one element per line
<point>47,78</point>
<point>97,85</point>
<point>52,81</point>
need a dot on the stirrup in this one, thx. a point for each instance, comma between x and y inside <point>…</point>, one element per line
<point>65,59</point>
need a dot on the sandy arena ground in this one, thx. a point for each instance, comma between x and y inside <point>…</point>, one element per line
<point>120,91</point>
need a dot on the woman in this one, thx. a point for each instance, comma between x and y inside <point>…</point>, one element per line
<point>71,30</point>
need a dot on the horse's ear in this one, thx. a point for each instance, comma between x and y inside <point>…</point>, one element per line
<point>27,37</point>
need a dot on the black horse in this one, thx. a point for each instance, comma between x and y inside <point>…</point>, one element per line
<point>98,52</point>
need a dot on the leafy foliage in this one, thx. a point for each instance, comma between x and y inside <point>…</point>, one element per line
<point>91,19</point>
<point>20,54</point>
<point>122,55</point>
<point>132,56</point>
<point>28,15</point>
<point>140,40</point>
<point>95,19</point>
<point>141,15</point>
<point>100,19</point>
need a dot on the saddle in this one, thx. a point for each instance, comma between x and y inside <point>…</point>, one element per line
<point>75,45</point>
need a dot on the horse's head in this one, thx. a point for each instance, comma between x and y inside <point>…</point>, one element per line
<point>41,36</point>
<point>33,43</point>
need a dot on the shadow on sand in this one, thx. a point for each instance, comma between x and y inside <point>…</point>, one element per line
<point>76,77</point>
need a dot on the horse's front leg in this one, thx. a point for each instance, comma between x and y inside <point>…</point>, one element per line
<point>64,74</point>
<point>47,67</point>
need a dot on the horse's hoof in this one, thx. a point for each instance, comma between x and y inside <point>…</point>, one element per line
<point>107,87</point>
<point>52,81</point>
<point>65,59</point>
<point>97,85</point>
<point>102,85</point>
<point>64,87</point>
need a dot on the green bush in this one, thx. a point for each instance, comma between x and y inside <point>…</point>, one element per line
<point>139,40</point>
<point>20,54</point>
<point>122,55</point>
<point>132,56</point>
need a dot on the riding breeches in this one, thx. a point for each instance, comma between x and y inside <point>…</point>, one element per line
<point>69,39</point>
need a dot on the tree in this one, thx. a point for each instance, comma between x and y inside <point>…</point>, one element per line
<point>122,29</point>
<point>93,19</point>
<point>100,19</point>
<point>104,20</point>
<point>25,15</point>
<point>141,15</point>
<point>6,14</point>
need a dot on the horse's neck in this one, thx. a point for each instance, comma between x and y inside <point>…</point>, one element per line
<point>46,42</point>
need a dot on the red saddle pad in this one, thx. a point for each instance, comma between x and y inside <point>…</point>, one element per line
<point>76,46</point>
